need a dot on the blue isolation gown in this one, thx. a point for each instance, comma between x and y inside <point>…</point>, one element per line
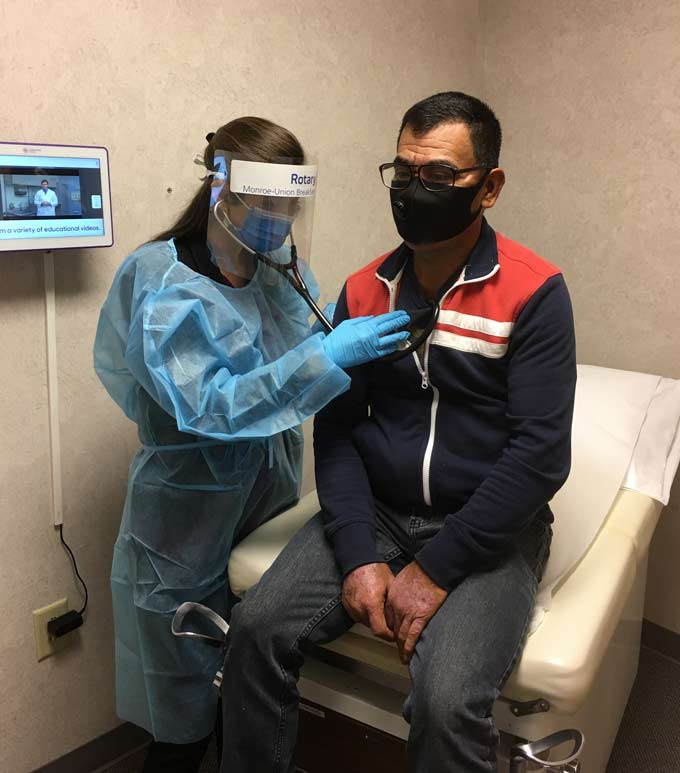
<point>218,381</point>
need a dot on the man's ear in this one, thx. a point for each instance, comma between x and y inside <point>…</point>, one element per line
<point>492,188</point>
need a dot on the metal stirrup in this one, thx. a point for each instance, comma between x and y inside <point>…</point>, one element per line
<point>529,752</point>
<point>190,607</point>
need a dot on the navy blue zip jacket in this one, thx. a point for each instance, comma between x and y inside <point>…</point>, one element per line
<point>476,426</point>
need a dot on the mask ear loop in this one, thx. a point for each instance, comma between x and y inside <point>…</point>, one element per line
<point>479,187</point>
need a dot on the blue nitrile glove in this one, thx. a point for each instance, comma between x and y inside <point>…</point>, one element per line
<point>328,312</point>
<point>362,339</point>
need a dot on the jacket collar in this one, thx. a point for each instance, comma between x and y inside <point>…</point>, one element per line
<point>482,263</point>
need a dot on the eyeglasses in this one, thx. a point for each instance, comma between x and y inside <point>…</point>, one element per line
<point>433,177</point>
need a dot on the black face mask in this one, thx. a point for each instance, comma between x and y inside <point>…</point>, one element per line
<point>425,217</point>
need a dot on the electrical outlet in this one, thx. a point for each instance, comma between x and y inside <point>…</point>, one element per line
<point>44,644</point>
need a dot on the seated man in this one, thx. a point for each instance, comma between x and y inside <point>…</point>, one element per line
<point>434,472</point>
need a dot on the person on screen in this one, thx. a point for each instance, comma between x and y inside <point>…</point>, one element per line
<point>45,201</point>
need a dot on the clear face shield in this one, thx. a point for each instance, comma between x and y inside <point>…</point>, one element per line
<point>262,206</point>
<point>258,208</point>
<point>261,217</point>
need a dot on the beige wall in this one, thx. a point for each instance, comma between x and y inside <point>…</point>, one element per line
<point>148,80</point>
<point>588,97</point>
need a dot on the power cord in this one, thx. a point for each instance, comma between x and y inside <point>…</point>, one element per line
<point>72,619</point>
<point>75,566</point>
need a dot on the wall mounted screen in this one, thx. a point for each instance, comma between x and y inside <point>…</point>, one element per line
<point>54,197</point>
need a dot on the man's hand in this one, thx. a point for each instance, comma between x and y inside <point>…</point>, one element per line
<point>411,601</point>
<point>363,595</point>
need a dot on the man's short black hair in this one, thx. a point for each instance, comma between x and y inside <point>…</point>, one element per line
<point>456,107</point>
<point>44,181</point>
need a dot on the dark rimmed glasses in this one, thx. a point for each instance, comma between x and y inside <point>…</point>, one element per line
<point>433,177</point>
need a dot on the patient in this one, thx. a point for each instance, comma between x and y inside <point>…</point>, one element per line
<point>434,472</point>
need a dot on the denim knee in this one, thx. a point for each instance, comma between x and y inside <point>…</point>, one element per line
<point>251,622</point>
<point>455,704</point>
<point>259,623</point>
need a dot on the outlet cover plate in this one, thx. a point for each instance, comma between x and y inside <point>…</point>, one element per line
<point>44,645</point>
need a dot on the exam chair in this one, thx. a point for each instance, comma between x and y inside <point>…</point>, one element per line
<point>580,659</point>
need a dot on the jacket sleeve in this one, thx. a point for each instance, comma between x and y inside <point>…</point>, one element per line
<point>192,352</point>
<point>341,479</point>
<point>535,462</point>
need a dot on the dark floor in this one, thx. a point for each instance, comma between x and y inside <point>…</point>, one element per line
<point>133,763</point>
<point>649,736</point>
<point>648,740</point>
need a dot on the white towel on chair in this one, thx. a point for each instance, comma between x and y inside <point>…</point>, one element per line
<point>657,452</point>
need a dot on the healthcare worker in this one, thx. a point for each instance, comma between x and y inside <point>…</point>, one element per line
<point>206,346</point>
<point>45,200</point>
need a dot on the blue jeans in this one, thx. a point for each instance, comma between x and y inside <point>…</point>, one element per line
<point>461,661</point>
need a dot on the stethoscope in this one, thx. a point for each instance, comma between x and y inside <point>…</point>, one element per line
<point>292,275</point>
<point>421,323</point>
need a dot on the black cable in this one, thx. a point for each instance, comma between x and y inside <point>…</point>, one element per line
<point>75,565</point>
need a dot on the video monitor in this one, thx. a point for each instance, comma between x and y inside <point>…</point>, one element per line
<point>54,197</point>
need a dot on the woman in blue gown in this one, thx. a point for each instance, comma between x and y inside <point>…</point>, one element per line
<point>218,372</point>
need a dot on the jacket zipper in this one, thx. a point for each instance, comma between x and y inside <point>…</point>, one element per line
<point>391,286</point>
<point>425,383</point>
<point>423,369</point>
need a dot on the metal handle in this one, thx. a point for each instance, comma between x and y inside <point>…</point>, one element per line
<point>191,607</point>
<point>529,752</point>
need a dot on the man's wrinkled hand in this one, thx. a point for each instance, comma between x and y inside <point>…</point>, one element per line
<point>363,595</point>
<point>412,600</point>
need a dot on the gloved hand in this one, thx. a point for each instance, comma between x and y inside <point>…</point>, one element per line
<point>362,339</point>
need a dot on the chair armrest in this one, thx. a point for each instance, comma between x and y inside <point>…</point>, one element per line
<point>561,659</point>
<point>635,515</point>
